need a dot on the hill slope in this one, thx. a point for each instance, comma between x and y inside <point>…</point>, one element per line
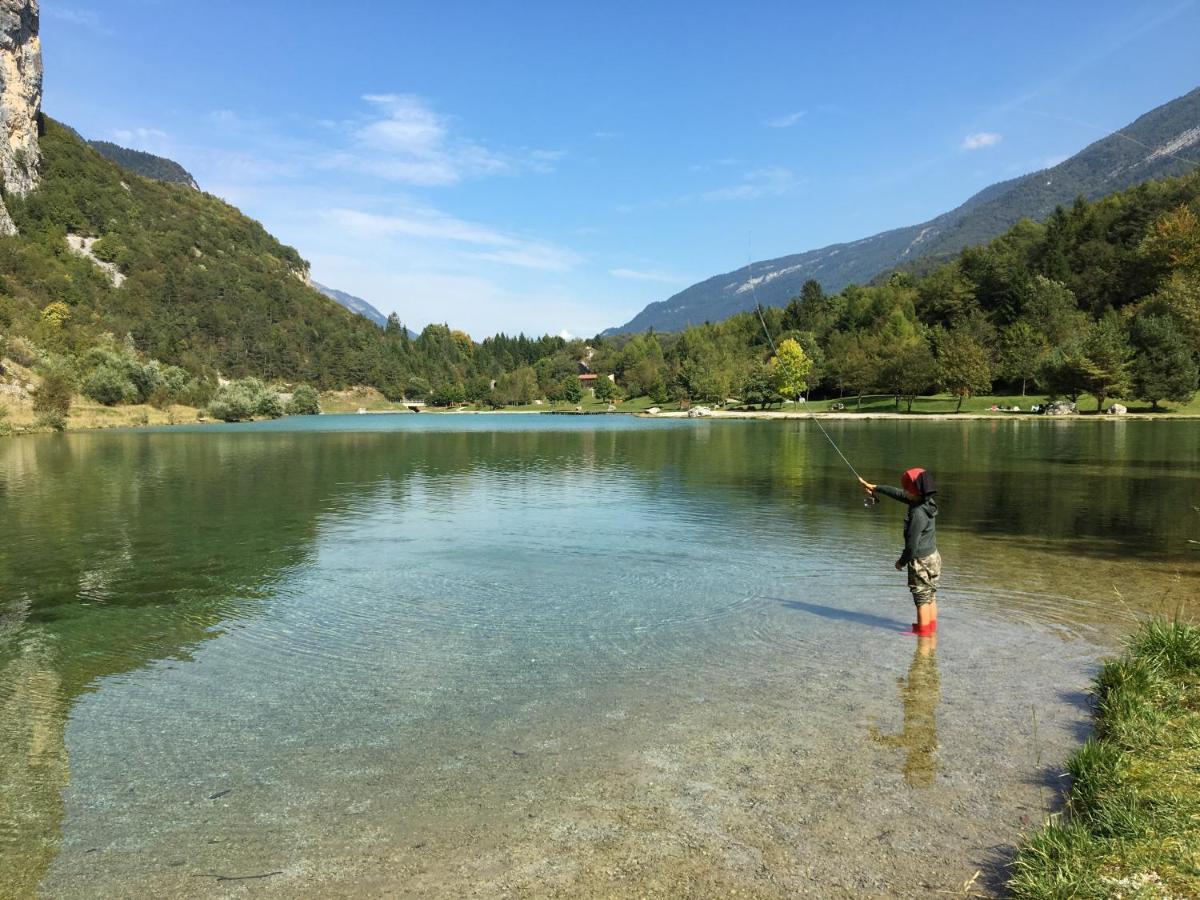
<point>146,164</point>
<point>203,285</point>
<point>1147,149</point>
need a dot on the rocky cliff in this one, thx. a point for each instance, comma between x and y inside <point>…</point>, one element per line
<point>20,101</point>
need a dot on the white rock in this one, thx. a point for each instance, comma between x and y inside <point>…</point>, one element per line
<point>20,101</point>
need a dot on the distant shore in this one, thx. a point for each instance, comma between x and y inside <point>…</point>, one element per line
<point>98,418</point>
<point>919,417</point>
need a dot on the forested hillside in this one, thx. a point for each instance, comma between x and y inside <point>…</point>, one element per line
<point>145,164</point>
<point>1103,298</point>
<point>182,278</point>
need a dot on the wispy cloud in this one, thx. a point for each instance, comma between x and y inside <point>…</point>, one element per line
<point>490,245</point>
<point>773,181</point>
<point>78,16</point>
<point>409,142</point>
<point>981,139</point>
<point>406,140</point>
<point>636,275</point>
<point>138,135</point>
<point>786,121</point>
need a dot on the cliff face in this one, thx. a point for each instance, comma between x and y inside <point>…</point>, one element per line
<point>20,100</point>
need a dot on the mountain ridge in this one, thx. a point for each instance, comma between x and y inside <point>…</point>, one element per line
<point>356,305</point>
<point>145,164</point>
<point>1114,162</point>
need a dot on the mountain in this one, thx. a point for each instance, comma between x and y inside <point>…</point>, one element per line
<point>192,280</point>
<point>146,164</point>
<point>354,304</point>
<point>1149,148</point>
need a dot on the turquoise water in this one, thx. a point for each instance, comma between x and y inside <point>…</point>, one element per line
<point>539,654</point>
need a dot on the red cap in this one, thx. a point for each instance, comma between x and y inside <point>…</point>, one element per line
<point>908,481</point>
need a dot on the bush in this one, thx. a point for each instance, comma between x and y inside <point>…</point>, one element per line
<point>22,352</point>
<point>171,386</point>
<point>52,398</point>
<point>5,425</point>
<point>269,406</point>
<point>198,392</point>
<point>109,386</point>
<point>240,401</point>
<point>305,402</point>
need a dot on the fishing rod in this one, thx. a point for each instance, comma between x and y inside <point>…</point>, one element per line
<point>870,501</point>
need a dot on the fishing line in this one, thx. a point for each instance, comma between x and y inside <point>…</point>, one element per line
<point>770,340</point>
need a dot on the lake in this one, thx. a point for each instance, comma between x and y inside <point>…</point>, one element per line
<point>512,655</point>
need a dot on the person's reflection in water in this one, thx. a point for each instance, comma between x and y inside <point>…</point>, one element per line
<point>919,693</point>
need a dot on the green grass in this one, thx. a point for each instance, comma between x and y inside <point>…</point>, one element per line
<point>945,403</point>
<point>1132,824</point>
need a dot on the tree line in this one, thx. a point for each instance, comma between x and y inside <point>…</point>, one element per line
<point>1103,298</point>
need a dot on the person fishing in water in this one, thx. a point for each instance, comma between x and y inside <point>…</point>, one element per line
<point>917,489</point>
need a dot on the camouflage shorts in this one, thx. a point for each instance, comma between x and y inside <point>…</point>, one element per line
<point>923,577</point>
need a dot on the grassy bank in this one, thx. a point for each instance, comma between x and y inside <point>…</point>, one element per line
<point>946,403</point>
<point>86,415</point>
<point>1132,824</point>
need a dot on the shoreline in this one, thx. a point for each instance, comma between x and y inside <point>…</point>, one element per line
<point>916,417</point>
<point>181,417</point>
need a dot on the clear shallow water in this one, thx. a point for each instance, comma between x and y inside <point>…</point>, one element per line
<point>599,655</point>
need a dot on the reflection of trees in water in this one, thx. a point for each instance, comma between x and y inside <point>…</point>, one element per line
<point>33,766</point>
<point>121,550</point>
<point>920,693</point>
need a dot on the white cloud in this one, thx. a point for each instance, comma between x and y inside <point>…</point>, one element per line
<point>636,275</point>
<point>411,143</point>
<point>981,139</point>
<point>774,181</point>
<point>565,335</point>
<point>83,18</point>
<point>786,121</point>
<point>433,225</point>
<point>546,257</point>
<point>138,135</point>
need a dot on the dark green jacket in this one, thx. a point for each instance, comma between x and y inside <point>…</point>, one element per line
<point>920,529</point>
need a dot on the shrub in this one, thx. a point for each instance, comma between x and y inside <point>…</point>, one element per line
<point>171,386</point>
<point>22,352</point>
<point>242,400</point>
<point>109,386</point>
<point>148,378</point>
<point>268,405</point>
<point>5,425</point>
<point>52,398</point>
<point>305,402</point>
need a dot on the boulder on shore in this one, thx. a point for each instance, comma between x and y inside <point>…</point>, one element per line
<point>699,412</point>
<point>1117,410</point>
<point>1060,408</point>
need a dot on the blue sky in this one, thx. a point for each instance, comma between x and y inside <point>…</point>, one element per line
<point>548,167</point>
